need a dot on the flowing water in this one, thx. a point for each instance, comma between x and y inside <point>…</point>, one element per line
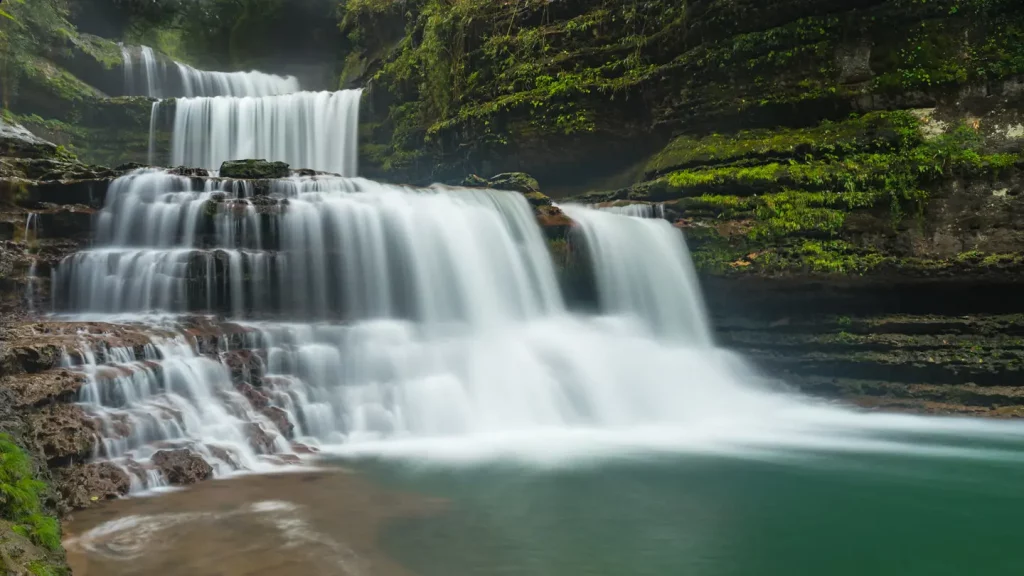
<point>146,74</point>
<point>421,335</point>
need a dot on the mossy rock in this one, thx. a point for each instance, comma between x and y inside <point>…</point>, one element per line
<point>254,169</point>
<point>17,142</point>
<point>516,181</point>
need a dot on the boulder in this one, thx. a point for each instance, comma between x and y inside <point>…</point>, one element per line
<point>515,181</point>
<point>191,172</point>
<point>83,485</point>
<point>18,142</point>
<point>182,467</point>
<point>254,169</point>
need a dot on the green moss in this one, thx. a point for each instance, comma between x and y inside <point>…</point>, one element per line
<point>468,70</point>
<point>104,51</point>
<point>874,131</point>
<point>58,82</point>
<point>38,568</point>
<point>21,497</point>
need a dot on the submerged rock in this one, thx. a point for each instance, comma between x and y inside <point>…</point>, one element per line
<point>254,169</point>
<point>82,486</point>
<point>182,467</point>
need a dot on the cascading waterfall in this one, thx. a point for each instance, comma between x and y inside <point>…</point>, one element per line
<point>375,317</point>
<point>643,269</point>
<point>222,116</point>
<point>157,78</point>
<point>315,130</point>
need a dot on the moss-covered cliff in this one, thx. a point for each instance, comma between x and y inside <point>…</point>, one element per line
<point>572,91</point>
<point>848,174</point>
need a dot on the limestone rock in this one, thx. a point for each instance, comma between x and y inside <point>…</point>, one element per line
<point>83,485</point>
<point>182,467</point>
<point>18,142</point>
<point>63,432</point>
<point>254,169</point>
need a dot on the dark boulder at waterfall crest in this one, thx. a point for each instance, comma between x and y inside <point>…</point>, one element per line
<point>254,169</point>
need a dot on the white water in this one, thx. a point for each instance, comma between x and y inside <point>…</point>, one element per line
<point>315,130</point>
<point>455,343</point>
<point>643,268</point>
<point>31,238</point>
<point>156,78</point>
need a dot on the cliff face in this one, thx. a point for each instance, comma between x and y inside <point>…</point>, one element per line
<point>851,195</point>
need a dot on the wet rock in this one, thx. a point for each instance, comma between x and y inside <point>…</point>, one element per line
<point>244,366</point>
<point>260,439</point>
<point>182,467</point>
<point>224,455</point>
<point>84,485</point>
<point>280,419</point>
<point>190,172</point>
<point>63,432</point>
<point>256,397</point>
<point>254,169</point>
<point>517,182</point>
<point>555,224</point>
<point>301,448</point>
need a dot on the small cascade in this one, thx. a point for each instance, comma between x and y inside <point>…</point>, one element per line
<point>428,312</point>
<point>638,210</point>
<point>643,269</point>
<point>165,78</point>
<point>31,237</point>
<point>164,396</point>
<point>315,130</point>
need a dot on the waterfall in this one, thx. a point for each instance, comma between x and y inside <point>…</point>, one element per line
<point>643,268</point>
<point>316,130</point>
<point>157,79</point>
<point>410,313</point>
<point>31,238</point>
<point>311,247</point>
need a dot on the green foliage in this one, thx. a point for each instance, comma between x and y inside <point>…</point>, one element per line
<point>476,72</point>
<point>877,130</point>
<point>791,214</point>
<point>21,497</point>
<point>31,27</point>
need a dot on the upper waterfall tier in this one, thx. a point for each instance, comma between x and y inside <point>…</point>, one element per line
<point>146,75</point>
<point>316,130</point>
